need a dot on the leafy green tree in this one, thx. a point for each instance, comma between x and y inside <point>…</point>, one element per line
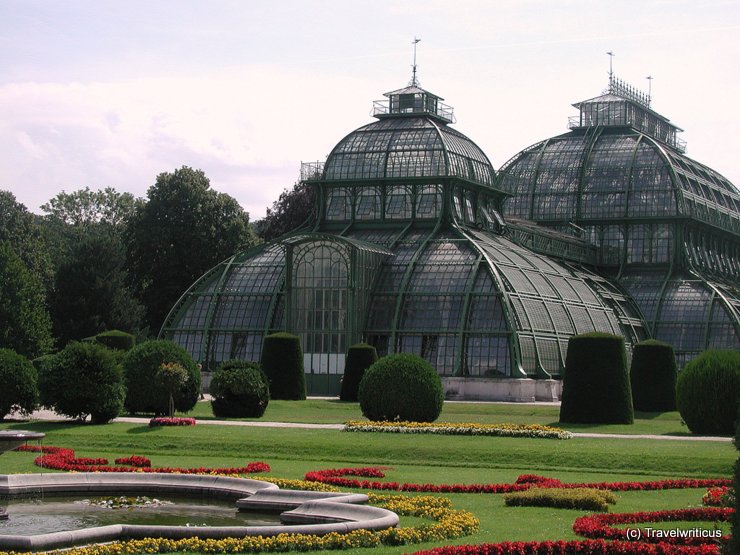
<point>293,208</point>
<point>92,294</point>
<point>25,325</point>
<point>84,207</point>
<point>19,228</point>
<point>184,229</point>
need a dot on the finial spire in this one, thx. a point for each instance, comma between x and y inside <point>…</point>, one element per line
<point>611,67</point>
<point>414,81</point>
<point>650,88</point>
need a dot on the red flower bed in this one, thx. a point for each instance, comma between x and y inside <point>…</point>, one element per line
<point>599,525</point>
<point>171,421</point>
<point>336,477</point>
<point>60,458</point>
<point>580,547</point>
<point>135,461</point>
<point>718,497</point>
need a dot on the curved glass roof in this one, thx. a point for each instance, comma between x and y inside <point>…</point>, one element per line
<point>416,146</point>
<point>615,174</point>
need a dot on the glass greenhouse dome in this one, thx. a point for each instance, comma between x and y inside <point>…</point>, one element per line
<point>666,228</point>
<point>408,250</point>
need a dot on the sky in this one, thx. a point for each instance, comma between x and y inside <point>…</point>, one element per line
<point>109,93</point>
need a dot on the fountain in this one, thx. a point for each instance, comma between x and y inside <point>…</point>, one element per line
<point>12,439</point>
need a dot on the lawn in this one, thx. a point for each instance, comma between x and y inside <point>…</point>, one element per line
<point>420,458</point>
<point>323,411</point>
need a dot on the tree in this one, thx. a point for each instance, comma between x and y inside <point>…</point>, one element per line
<point>294,208</point>
<point>184,229</point>
<point>19,228</point>
<point>25,325</point>
<point>92,294</point>
<point>84,207</point>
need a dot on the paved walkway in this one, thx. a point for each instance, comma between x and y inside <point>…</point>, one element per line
<point>52,416</point>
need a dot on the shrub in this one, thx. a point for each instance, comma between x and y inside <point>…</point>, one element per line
<point>653,376</point>
<point>583,499</point>
<point>116,339</point>
<point>734,543</point>
<point>401,387</point>
<point>239,389</point>
<point>145,392</point>
<point>596,385</point>
<point>282,362</point>
<point>84,379</point>
<point>18,384</point>
<point>707,391</point>
<point>359,358</point>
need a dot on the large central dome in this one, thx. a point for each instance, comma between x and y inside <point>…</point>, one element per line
<point>411,139</point>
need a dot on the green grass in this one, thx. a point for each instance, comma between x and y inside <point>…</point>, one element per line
<point>419,458</point>
<point>323,411</point>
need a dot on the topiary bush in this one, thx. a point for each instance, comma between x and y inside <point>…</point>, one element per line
<point>359,358</point>
<point>18,384</point>
<point>282,362</point>
<point>240,390</point>
<point>142,368</point>
<point>83,379</point>
<point>707,392</point>
<point>596,385</point>
<point>581,499</point>
<point>116,339</point>
<point>733,545</point>
<point>401,387</point>
<point>653,376</point>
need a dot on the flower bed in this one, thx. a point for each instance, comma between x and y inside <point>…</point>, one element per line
<point>61,458</point>
<point>600,526</point>
<point>584,499</point>
<point>580,547</point>
<point>723,496</point>
<point>450,524</point>
<point>336,477</point>
<point>171,421</point>
<point>134,460</point>
<point>457,428</point>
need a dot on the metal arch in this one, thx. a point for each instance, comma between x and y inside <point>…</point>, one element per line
<point>536,175</point>
<point>590,139</point>
<point>464,314</point>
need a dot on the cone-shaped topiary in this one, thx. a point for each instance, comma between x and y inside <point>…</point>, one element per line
<point>18,384</point>
<point>145,392</point>
<point>596,385</point>
<point>282,363</point>
<point>84,379</point>
<point>359,358</point>
<point>239,390</point>
<point>653,376</point>
<point>401,387</point>
<point>707,392</point>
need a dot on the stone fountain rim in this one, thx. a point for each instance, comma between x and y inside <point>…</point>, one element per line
<point>316,513</point>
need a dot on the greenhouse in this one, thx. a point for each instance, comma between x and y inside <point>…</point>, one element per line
<point>416,245</point>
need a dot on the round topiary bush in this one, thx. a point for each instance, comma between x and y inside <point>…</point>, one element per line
<point>401,387</point>
<point>596,385</point>
<point>707,392</point>
<point>282,362</point>
<point>653,376</point>
<point>84,379</point>
<point>116,339</point>
<point>142,368</point>
<point>239,389</point>
<point>18,384</point>
<point>359,358</point>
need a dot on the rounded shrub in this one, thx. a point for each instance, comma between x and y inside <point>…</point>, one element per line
<point>83,379</point>
<point>18,384</point>
<point>653,376</point>
<point>116,339</point>
<point>401,387</point>
<point>707,392</point>
<point>142,368</point>
<point>282,362</point>
<point>359,358</point>
<point>596,385</point>
<point>239,389</point>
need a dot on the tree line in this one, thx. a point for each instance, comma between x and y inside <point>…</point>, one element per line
<point>103,260</point>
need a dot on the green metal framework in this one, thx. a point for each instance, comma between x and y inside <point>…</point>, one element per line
<point>665,227</point>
